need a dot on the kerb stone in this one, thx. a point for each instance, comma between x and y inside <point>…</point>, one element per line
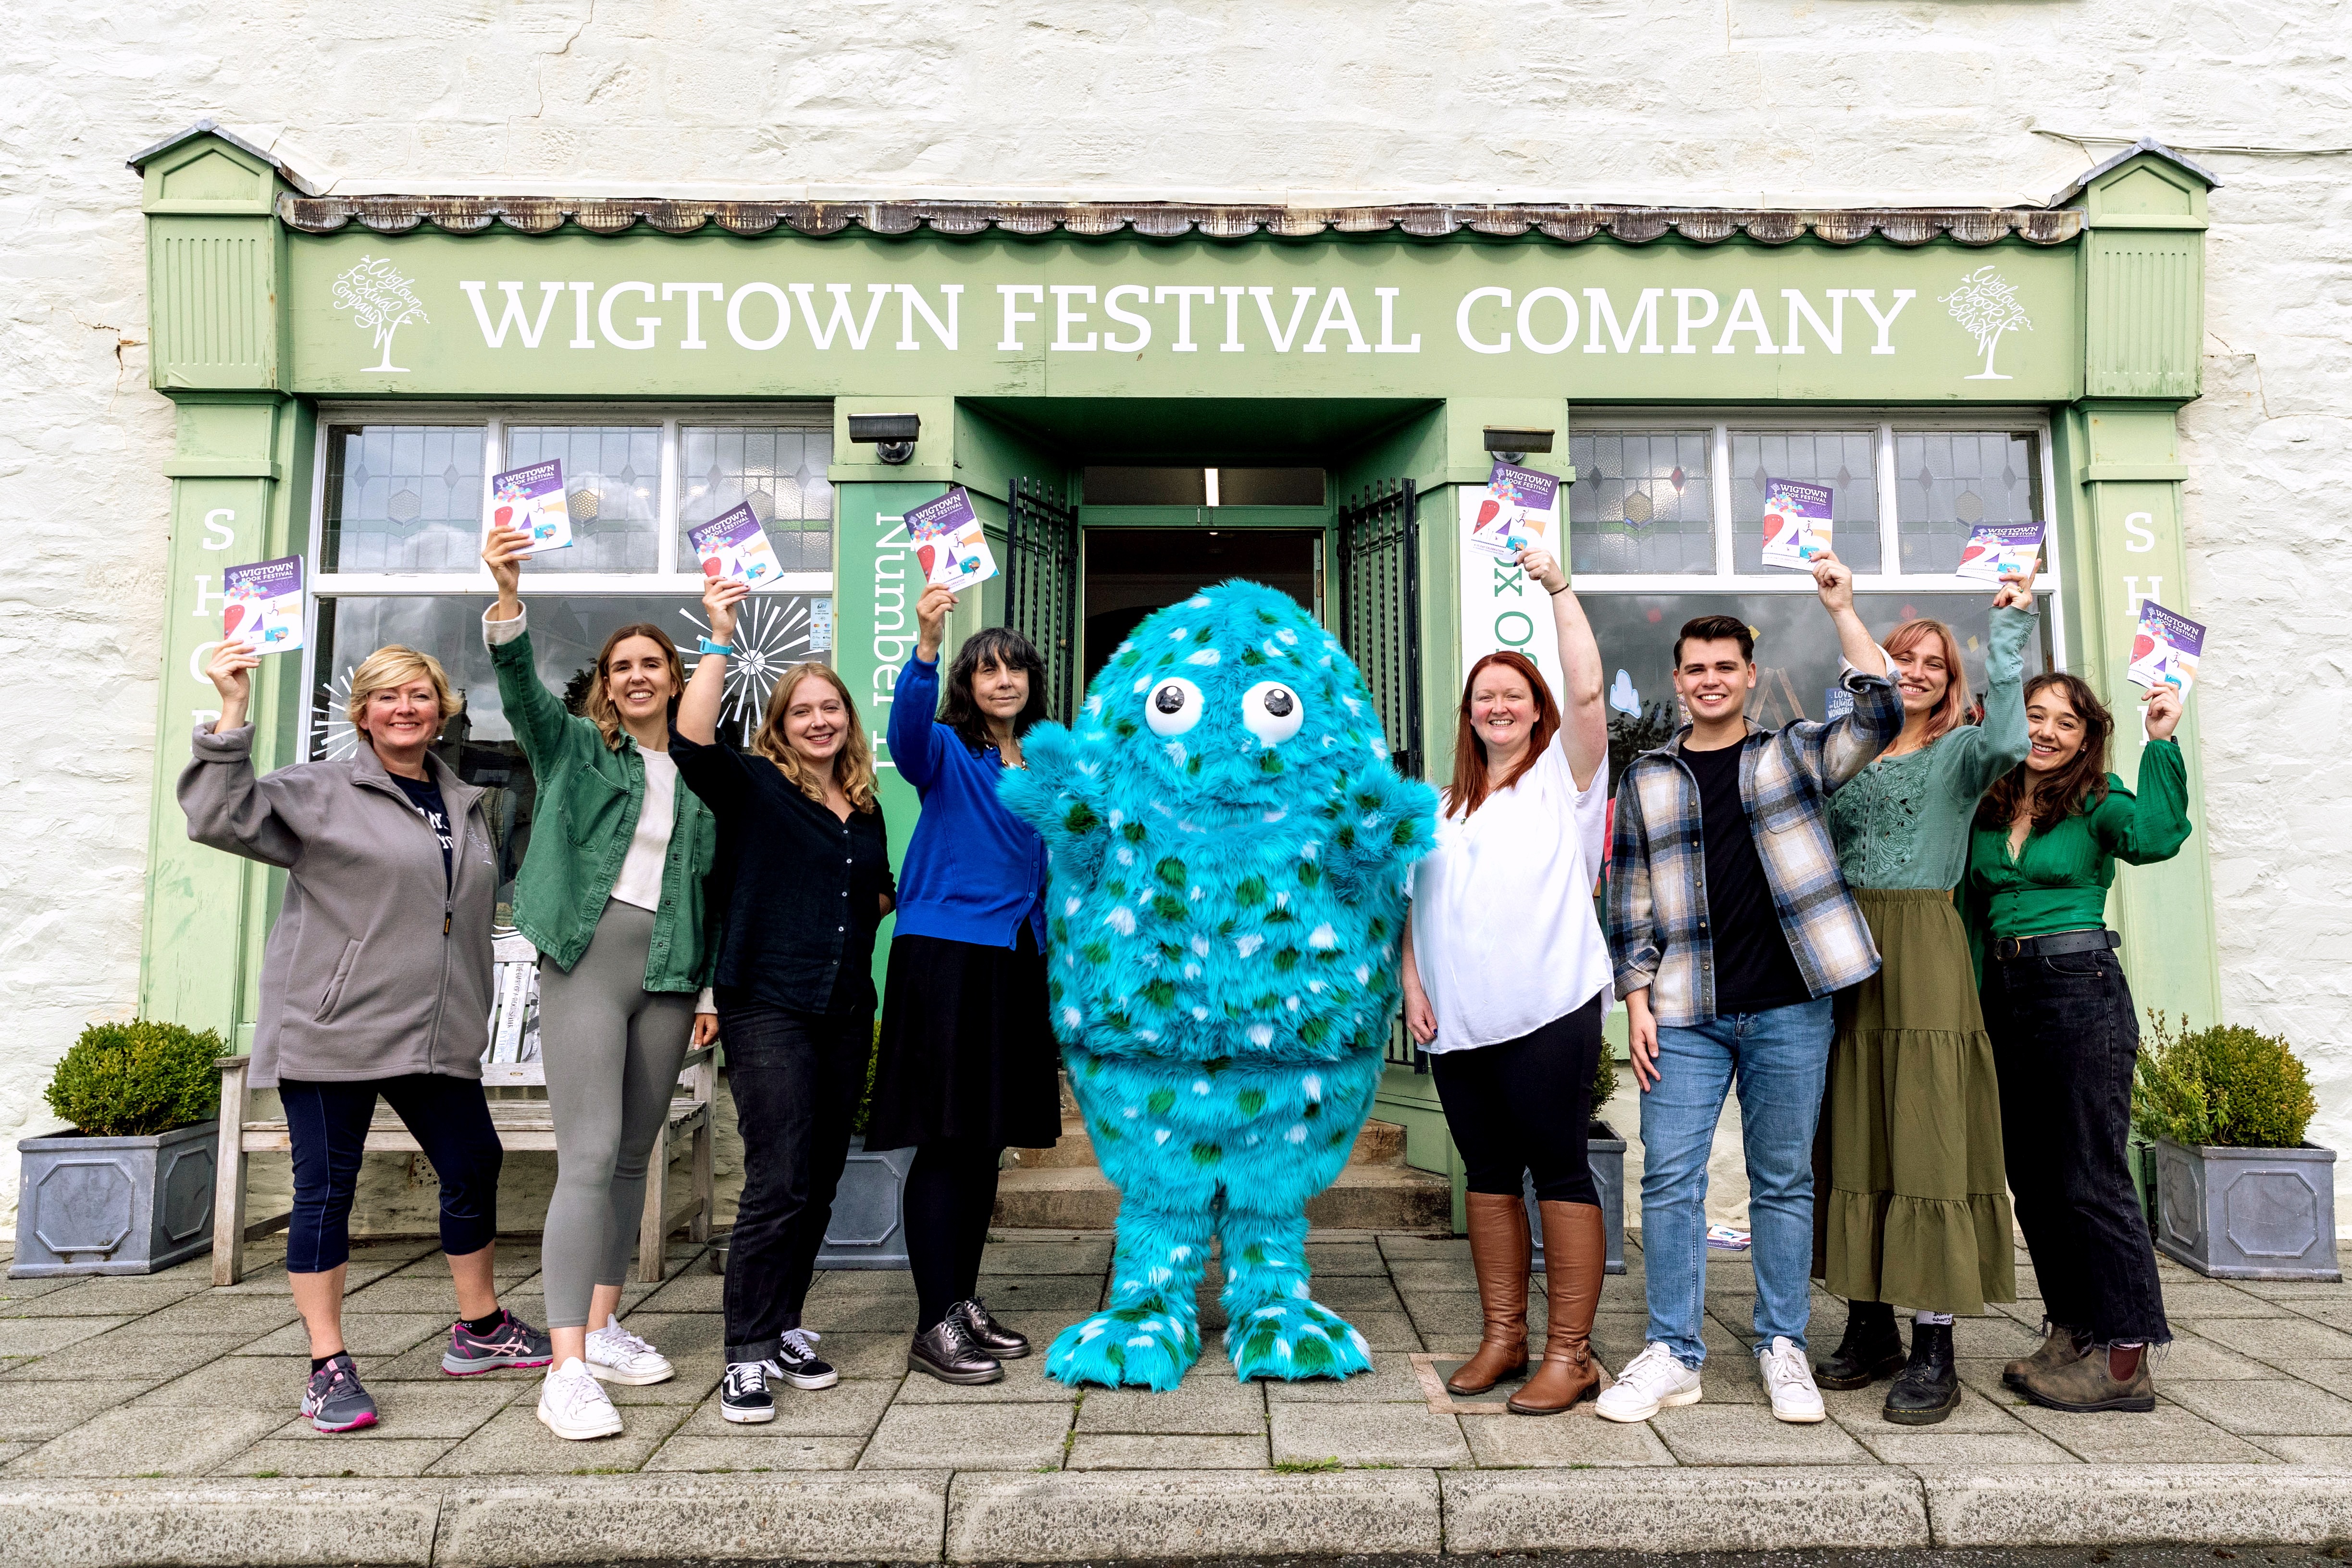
<point>1683,1510</point>
<point>812,1518</point>
<point>255,1524</point>
<point>1115,1514</point>
<point>2199,1504</point>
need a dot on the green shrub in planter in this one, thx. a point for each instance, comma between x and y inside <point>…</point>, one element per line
<point>137,1079</point>
<point>2226,1087</point>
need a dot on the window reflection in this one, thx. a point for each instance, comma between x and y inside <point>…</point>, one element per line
<point>779,469</point>
<point>612,487</point>
<point>1642,502</point>
<point>1947,482</point>
<point>1844,459</point>
<point>403,497</point>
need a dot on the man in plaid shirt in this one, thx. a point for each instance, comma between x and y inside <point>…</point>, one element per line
<point>1729,927</point>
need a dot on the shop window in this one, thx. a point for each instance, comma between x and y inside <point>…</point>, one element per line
<point>612,486</point>
<point>1947,481</point>
<point>401,498</point>
<point>1844,459</point>
<point>779,469</point>
<point>1643,501</point>
<point>776,631</point>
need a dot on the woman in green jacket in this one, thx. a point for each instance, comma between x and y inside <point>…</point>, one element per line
<point>2064,1034</point>
<point>610,894</point>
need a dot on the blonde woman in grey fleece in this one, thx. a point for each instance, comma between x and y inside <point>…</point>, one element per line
<point>375,983</point>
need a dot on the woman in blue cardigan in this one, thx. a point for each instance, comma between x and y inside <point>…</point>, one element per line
<point>967,1064</point>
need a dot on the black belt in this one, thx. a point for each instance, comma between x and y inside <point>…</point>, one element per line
<point>2008,947</point>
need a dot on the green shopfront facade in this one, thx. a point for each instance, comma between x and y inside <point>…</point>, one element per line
<point>1142,399</point>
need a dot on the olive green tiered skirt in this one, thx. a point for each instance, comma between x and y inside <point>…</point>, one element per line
<point>1911,1203</point>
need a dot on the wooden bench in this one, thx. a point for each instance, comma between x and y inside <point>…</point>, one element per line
<point>523,1124</point>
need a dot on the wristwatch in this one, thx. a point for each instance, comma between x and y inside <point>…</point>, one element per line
<point>707,646</point>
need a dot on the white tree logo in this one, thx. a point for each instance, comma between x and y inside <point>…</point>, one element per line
<point>1984,304</point>
<point>380,301</point>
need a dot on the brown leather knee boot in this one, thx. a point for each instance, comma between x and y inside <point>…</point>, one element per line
<point>1576,1246</point>
<point>1500,1253</point>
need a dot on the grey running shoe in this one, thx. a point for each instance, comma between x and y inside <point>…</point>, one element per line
<point>510,1342</point>
<point>334,1401</point>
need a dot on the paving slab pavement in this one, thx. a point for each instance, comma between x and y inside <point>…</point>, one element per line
<point>152,1421</point>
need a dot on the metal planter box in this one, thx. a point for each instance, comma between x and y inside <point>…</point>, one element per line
<point>868,1229</point>
<point>114,1206</point>
<point>2248,1214</point>
<point>1606,1152</point>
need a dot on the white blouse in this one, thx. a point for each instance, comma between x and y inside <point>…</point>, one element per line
<point>1504,931</point>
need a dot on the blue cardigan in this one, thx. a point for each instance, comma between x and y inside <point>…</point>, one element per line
<point>973,871</point>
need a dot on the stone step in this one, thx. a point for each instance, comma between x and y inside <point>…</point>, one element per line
<point>1388,1196</point>
<point>1380,1144</point>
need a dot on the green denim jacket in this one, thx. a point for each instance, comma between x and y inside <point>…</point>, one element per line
<point>589,797</point>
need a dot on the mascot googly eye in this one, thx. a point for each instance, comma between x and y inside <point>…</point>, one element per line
<point>1174,706</point>
<point>1272,711</point>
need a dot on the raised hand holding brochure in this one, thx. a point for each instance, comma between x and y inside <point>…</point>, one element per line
<point>262,605</point>
<point>732,545</point>
<point>1517,509</point>
<point>1796,523</point>
<point>1996,551</point>
<point>950,545</point>
<point>2166,649</point>
<point>530,501</point>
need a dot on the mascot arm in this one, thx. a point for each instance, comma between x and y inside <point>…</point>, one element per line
<point>1054,795</point>
<point>1385,824</point>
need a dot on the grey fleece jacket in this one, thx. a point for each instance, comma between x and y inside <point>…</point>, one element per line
<point>378,965</point>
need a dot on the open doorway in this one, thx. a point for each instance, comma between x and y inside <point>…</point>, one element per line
<point>1131,572</point>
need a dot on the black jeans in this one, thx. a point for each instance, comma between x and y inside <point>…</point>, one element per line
<point>797,1077</point>
<point>327,1124</point>
<point>2066,1036</point>
<point>1524,1105</point>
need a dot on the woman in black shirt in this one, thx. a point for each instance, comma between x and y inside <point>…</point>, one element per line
<point>801,880</point>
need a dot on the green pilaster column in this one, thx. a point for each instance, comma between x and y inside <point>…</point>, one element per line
<point>2142,290</point>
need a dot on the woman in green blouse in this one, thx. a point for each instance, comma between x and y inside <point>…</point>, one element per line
<point>2064,1032</point>
<point>1910,1206</point>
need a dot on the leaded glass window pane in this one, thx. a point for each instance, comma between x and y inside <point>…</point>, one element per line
<point>779,469</point>
<point>403,497</point>
<point>1642,502</point>
<point>1844,459</point>
<point>612,482</point>
<point>1947,482</point>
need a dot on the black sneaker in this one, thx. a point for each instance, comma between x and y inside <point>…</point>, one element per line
<point>743,1393</point>
<point>1003,1343</point>
<point>510,1342</point>
<point>334,1401</point>
<point>798,1363</point>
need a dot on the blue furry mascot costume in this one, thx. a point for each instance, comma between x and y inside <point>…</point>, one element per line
<point>1229,846</point>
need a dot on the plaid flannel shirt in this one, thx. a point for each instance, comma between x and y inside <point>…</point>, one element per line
<point>1658,934</point>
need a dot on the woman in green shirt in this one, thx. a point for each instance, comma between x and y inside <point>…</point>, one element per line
<point>1909,1205</point>
<point>2064,1032</point>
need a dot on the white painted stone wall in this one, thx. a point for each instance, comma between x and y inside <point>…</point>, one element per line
<point>1683,102</point>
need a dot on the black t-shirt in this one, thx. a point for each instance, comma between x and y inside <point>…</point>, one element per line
<point>425,795</point>
<point>798,889</point>
<point>1754,970</point>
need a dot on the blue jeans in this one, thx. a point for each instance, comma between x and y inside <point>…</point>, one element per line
<point>1778,1059</point>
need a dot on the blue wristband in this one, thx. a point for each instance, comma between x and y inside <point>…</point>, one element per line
<point>707,646</point>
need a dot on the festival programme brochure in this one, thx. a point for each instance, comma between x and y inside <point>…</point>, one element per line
<point>1996,551</point>
<point>732,545</point>
<point>949,544</point>
<point>1796,523</point>
<point>2165,650</point>
<point>1519,507</point>
<point>530,501</point>
<point>262,605</point>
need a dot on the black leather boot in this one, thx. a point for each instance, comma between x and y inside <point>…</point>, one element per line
<point>946,1351</point>
<point>1871,1348</point>
<point>1003,1343</point>
<point>1929,1387</point>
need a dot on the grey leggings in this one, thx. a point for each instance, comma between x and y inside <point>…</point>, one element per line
<point>613,1050</point>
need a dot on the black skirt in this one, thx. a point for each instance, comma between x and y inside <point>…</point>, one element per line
<point>967,1049</point>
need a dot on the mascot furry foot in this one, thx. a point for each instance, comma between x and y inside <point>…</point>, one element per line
<point>1229,847</point>
<point>1150,1333</point>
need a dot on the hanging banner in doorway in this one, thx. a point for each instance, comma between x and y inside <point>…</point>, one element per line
<point>1501,608</point>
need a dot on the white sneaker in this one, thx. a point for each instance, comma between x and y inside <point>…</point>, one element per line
<point>616,1355</point>
<point>1651,1382</point>
<point>574,1405</point>
<point>1789,1378</point>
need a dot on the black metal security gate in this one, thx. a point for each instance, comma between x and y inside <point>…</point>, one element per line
<point>1041,583</point>
<point>1380,609</point>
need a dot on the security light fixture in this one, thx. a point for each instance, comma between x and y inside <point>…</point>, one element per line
<point>893,435</point>
<point>1512,443</point>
